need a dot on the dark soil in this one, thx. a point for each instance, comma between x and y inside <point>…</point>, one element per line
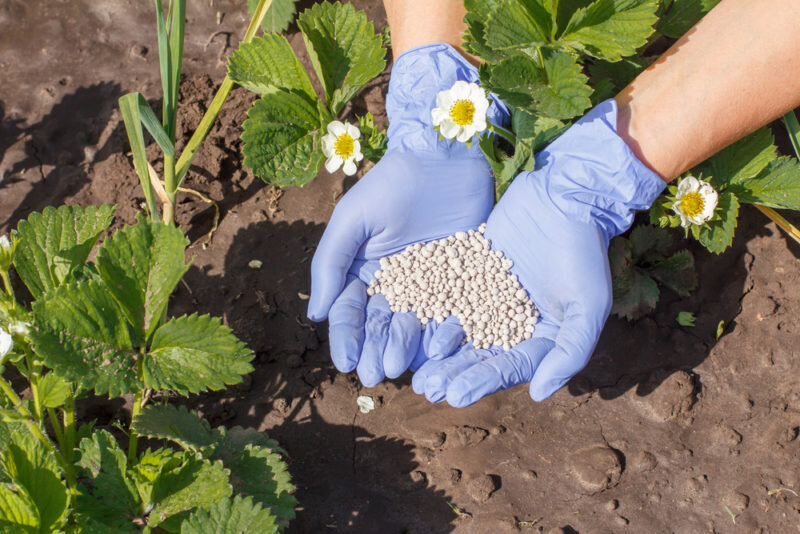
<point>669,429</point>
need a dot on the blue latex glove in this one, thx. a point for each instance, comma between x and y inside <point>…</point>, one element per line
<point>422,189</point>
<point>555,224</point>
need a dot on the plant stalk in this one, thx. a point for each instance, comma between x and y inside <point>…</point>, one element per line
<point>37,432</point>
<point>134,437</point>
<point>69,426</point>
<point>211,114</point>
<point>33,378</point>
<point>51,413</point>
<point>171,188</point>
<point>785,225</point>
<point>508,135</point>
<point>790,121</point>
<point>8,288</point>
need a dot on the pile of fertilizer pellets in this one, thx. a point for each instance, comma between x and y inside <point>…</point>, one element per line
<point>459,275</point>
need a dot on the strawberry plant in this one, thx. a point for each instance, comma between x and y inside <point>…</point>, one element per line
<point>102,326</point>
<point>283,134</point>
<point>549,61</point>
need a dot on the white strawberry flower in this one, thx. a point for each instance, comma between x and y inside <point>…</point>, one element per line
<point>6,343</point>
<point>342,148</point>
<point>460,111</point>
<point>695,201</point>
<point>6,252</point>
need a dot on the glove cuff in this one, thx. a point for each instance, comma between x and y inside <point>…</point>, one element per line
<point>418,75</point>
<point>598,178</point>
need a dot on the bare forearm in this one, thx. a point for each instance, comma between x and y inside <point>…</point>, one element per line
<point>735,71</point>
<point>421,22</point>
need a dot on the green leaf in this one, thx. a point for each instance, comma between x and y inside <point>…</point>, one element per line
<point>267,64</point>
<point>257,470</point>
<point>618,74</point>
<point>280,14</point>
<point>17,512</point>
<point>129,107</point>
<point>177,424</point>
<point>681,16</point>
<point>35,474</point>
<point>475,34</point>
<point>717,234</point>
<point>148,468</point>
<point>519,24</point>
<point>344,50</point>
<point>743,159</point>
<point>283,139</point>
<point>373,140</point>
<point>109,497</point>
<point>558,91</point>
<point>776,186</point>
<point>676,272</point>
<point>685,318</point>
<point>197,483</point>
<point>141,265</point>
<point>635,294</point>
<point>649,243</point>
<point>53,243</point>
<point>53,390</point>
<point>151,123</point>
<point>611,29</point>
<point>84,337</point>
<point>195,353</point>
<point>237,515</point>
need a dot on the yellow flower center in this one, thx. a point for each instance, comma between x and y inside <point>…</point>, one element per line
<point>343,146</point>
<point>692,204</point>
<point>462,112</point>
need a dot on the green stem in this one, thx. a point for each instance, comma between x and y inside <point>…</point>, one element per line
<point>508,135</point>
<point>33,378</point>
<point>51,413</point>
<point>134,438</point>
<point>171,188</point>
<point>216,105</point>
<point>69,426</point>
<point>8,288</point>
<point>790,120</point>
<point>36,430</point>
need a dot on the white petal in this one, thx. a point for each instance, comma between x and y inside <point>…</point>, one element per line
<point>327,145</point>
<point>438,115</point>
<point>688,184</point>
<point>479,124</point>
<point>333,163</point>
<point>477,93</point>
<point>350,167</point>
<point>448,129</point>
<point>337,128</point>
<point>354,132</point>
<point>460,90</point>
<point>357,150</point>
<point>6,342</point>
<point>444,100</point>
<point>466,134</point>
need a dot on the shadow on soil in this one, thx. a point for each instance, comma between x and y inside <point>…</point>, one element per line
<point>71,134</point>
<point>357,482</point>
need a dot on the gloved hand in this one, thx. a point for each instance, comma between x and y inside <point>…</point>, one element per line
<point>422,189</point>
<point>555,224</point>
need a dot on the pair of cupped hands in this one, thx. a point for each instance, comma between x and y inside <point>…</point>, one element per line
<point>554,223</point>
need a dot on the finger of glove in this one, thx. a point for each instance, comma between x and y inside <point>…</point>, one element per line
<point>435,375</point>
<point>376,335</point>
<point>502,371</point>
<point>446,339</point>
<point>574,346</point>
<point>402,345</point>
<point>346,325</point>
<point>422,351</point>
<point>340,242</point>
